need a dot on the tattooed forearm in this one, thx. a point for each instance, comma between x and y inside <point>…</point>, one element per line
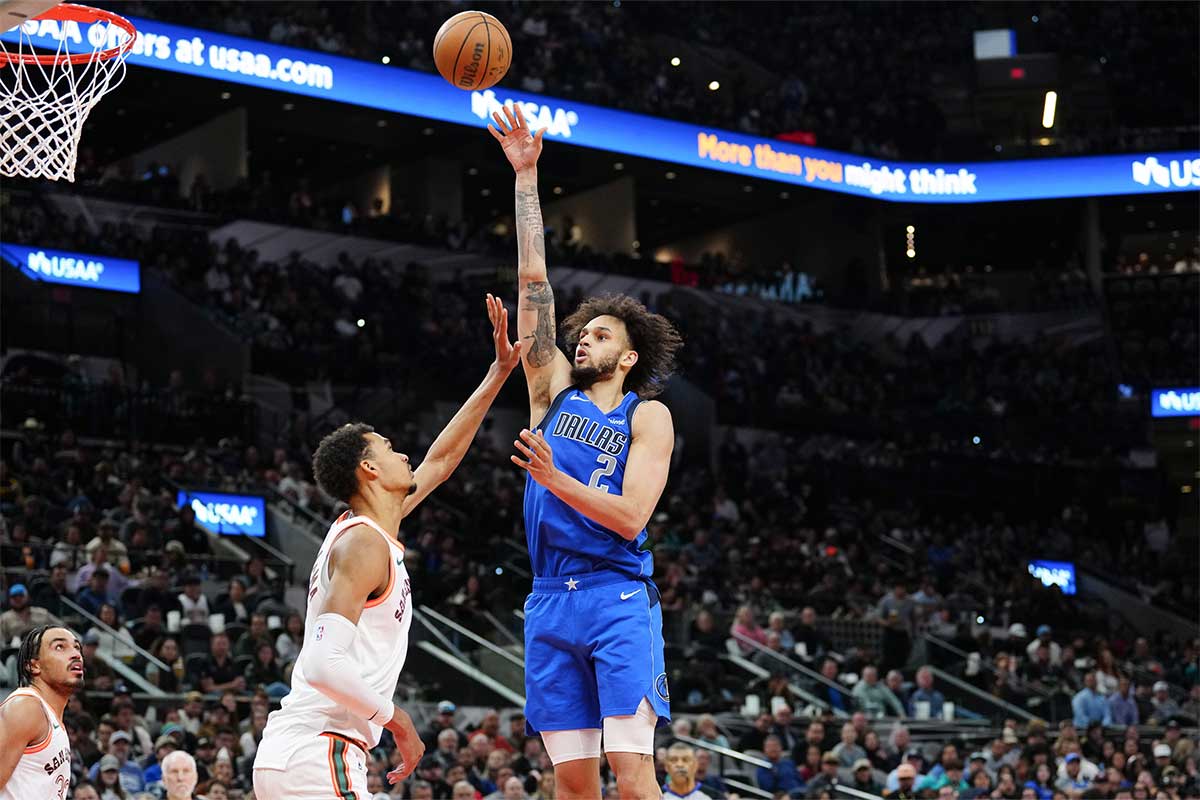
<point>540,345</point>
<point>531,239</point>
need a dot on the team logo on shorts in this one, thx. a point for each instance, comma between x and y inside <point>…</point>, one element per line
<point>660,686</point>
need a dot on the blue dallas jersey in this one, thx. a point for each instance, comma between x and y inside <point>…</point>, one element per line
<point>592,447</point>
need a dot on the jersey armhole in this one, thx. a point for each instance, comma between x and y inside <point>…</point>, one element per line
<point>45,740</point>
<point>371,601</point>
<point>555,404</point>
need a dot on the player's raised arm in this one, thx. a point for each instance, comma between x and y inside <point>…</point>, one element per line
<point>451,445</point>
<point>547,370</point>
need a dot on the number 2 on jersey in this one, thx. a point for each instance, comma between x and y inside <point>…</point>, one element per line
<point>608,465</point>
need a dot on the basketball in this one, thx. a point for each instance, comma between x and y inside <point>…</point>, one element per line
<point>472,50</point>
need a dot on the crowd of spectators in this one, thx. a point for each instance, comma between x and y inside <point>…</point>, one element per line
<point>831,72</point>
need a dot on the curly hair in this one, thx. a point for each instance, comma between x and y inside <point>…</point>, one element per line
<point>335,461</point>
<point>651,335</point>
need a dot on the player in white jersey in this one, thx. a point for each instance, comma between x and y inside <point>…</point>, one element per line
<point>359,610</point>
<point>35,751</point>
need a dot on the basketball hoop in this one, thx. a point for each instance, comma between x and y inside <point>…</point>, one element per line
<point>45,97</point>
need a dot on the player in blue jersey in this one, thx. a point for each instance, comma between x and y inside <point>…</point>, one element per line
<point>597,453</point>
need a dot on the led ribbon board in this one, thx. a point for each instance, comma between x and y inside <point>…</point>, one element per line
<point>269,66</point>
<point>74,269</point>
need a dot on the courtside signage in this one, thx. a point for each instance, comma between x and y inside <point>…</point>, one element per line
<point>1175,402</point>
<point>287,69</point>
<point>227,513</point>
<point>74,269</point>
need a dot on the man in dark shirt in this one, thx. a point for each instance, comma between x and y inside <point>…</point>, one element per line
<point>218,673</point>
<point>816,644</point>
<point>50,595</point>
<point>781,776</point>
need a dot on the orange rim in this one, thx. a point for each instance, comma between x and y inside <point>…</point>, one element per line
<point>72,12</point>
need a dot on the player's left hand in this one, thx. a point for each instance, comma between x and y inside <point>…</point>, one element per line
<point>508,354</point>
<point>541,458</point>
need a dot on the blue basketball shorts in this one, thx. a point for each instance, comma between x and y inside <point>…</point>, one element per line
<point>593,649</point>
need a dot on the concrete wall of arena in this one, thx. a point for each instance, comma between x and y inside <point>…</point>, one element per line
<point>834,239</point>
<point>218,149</point>
<point>604,216</point>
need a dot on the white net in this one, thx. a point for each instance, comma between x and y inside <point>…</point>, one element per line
<point>45,103</point>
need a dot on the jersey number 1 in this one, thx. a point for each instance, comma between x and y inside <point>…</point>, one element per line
<point>608,465</point>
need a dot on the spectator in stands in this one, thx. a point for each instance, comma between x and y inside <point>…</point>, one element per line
<point>1073,780</point>
<point>192,602</point>
<point>913,763</point>
<point>129,774</point>
<point>848,751</point>
<point>289,641</point>
<point>1045,636</point>
<point>706,777</point>
<point>950,775</point>
<point>905,789</point>
<point>218,672</point>
<point>814,643</point>
<point>1164,707</point>
<point>179,775</point>
<point>831,693</point>
<point>782,775</point>
<point>95,593</point>
<point>707,731</point>
<point>775,624</point>
<point>925,693</point>
<point>765,659</point>
<point>257,635</point>
<point>755,737</point>
<point>894,681</point>
<point>897,612</point>
<point>864,780</point>
<point>430,770</point>
<point>115,551</point>
<point>781,727</point>
<point>1089,705</point>
<point>116,642</point>
<point>266,672</point>
<point>874,698</point>
<point>22,616</point>
<point>826,780</point>
<point>745,628</point>
<point>235,609</point>
<point>49,595</point>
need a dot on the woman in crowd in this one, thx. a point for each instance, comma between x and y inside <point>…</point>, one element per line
<point>169,680</point>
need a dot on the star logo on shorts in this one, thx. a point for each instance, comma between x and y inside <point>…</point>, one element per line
<point>572,584</point>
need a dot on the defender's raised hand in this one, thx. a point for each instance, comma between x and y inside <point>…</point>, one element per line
<point>512,132</point>
<point>508,354</point>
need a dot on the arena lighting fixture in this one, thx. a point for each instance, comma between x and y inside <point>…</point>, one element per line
<point>288,106</point>
<point>636,244</point>
<point>225,95</point>
<point>473,171</point>
<point>714,85</point>
<point>1048,109</point>
<point>784,195</point>
<point>1044,141</point>
<point>910,229</point>
<point>485,192</point>
<point>675,62</point>
<point>670,176</point>
<point>558,190</point>
<point>910,253</point>
<point>618,166</point>
<point>386,59</point>
<point>362,323</point>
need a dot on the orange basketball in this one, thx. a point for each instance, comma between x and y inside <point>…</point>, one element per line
<point>472,50</point>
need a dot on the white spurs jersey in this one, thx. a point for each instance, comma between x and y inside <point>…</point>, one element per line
<point>378,652</point>
<point>44,771</point>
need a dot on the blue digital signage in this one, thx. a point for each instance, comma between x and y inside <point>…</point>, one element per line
<point>1176,402</point>
<point>240,514</point>
<point>1054,573</point>
<point>262,64</point>
<point>74,269</point>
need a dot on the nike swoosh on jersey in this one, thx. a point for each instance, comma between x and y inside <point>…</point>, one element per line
<point>627,595</point>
